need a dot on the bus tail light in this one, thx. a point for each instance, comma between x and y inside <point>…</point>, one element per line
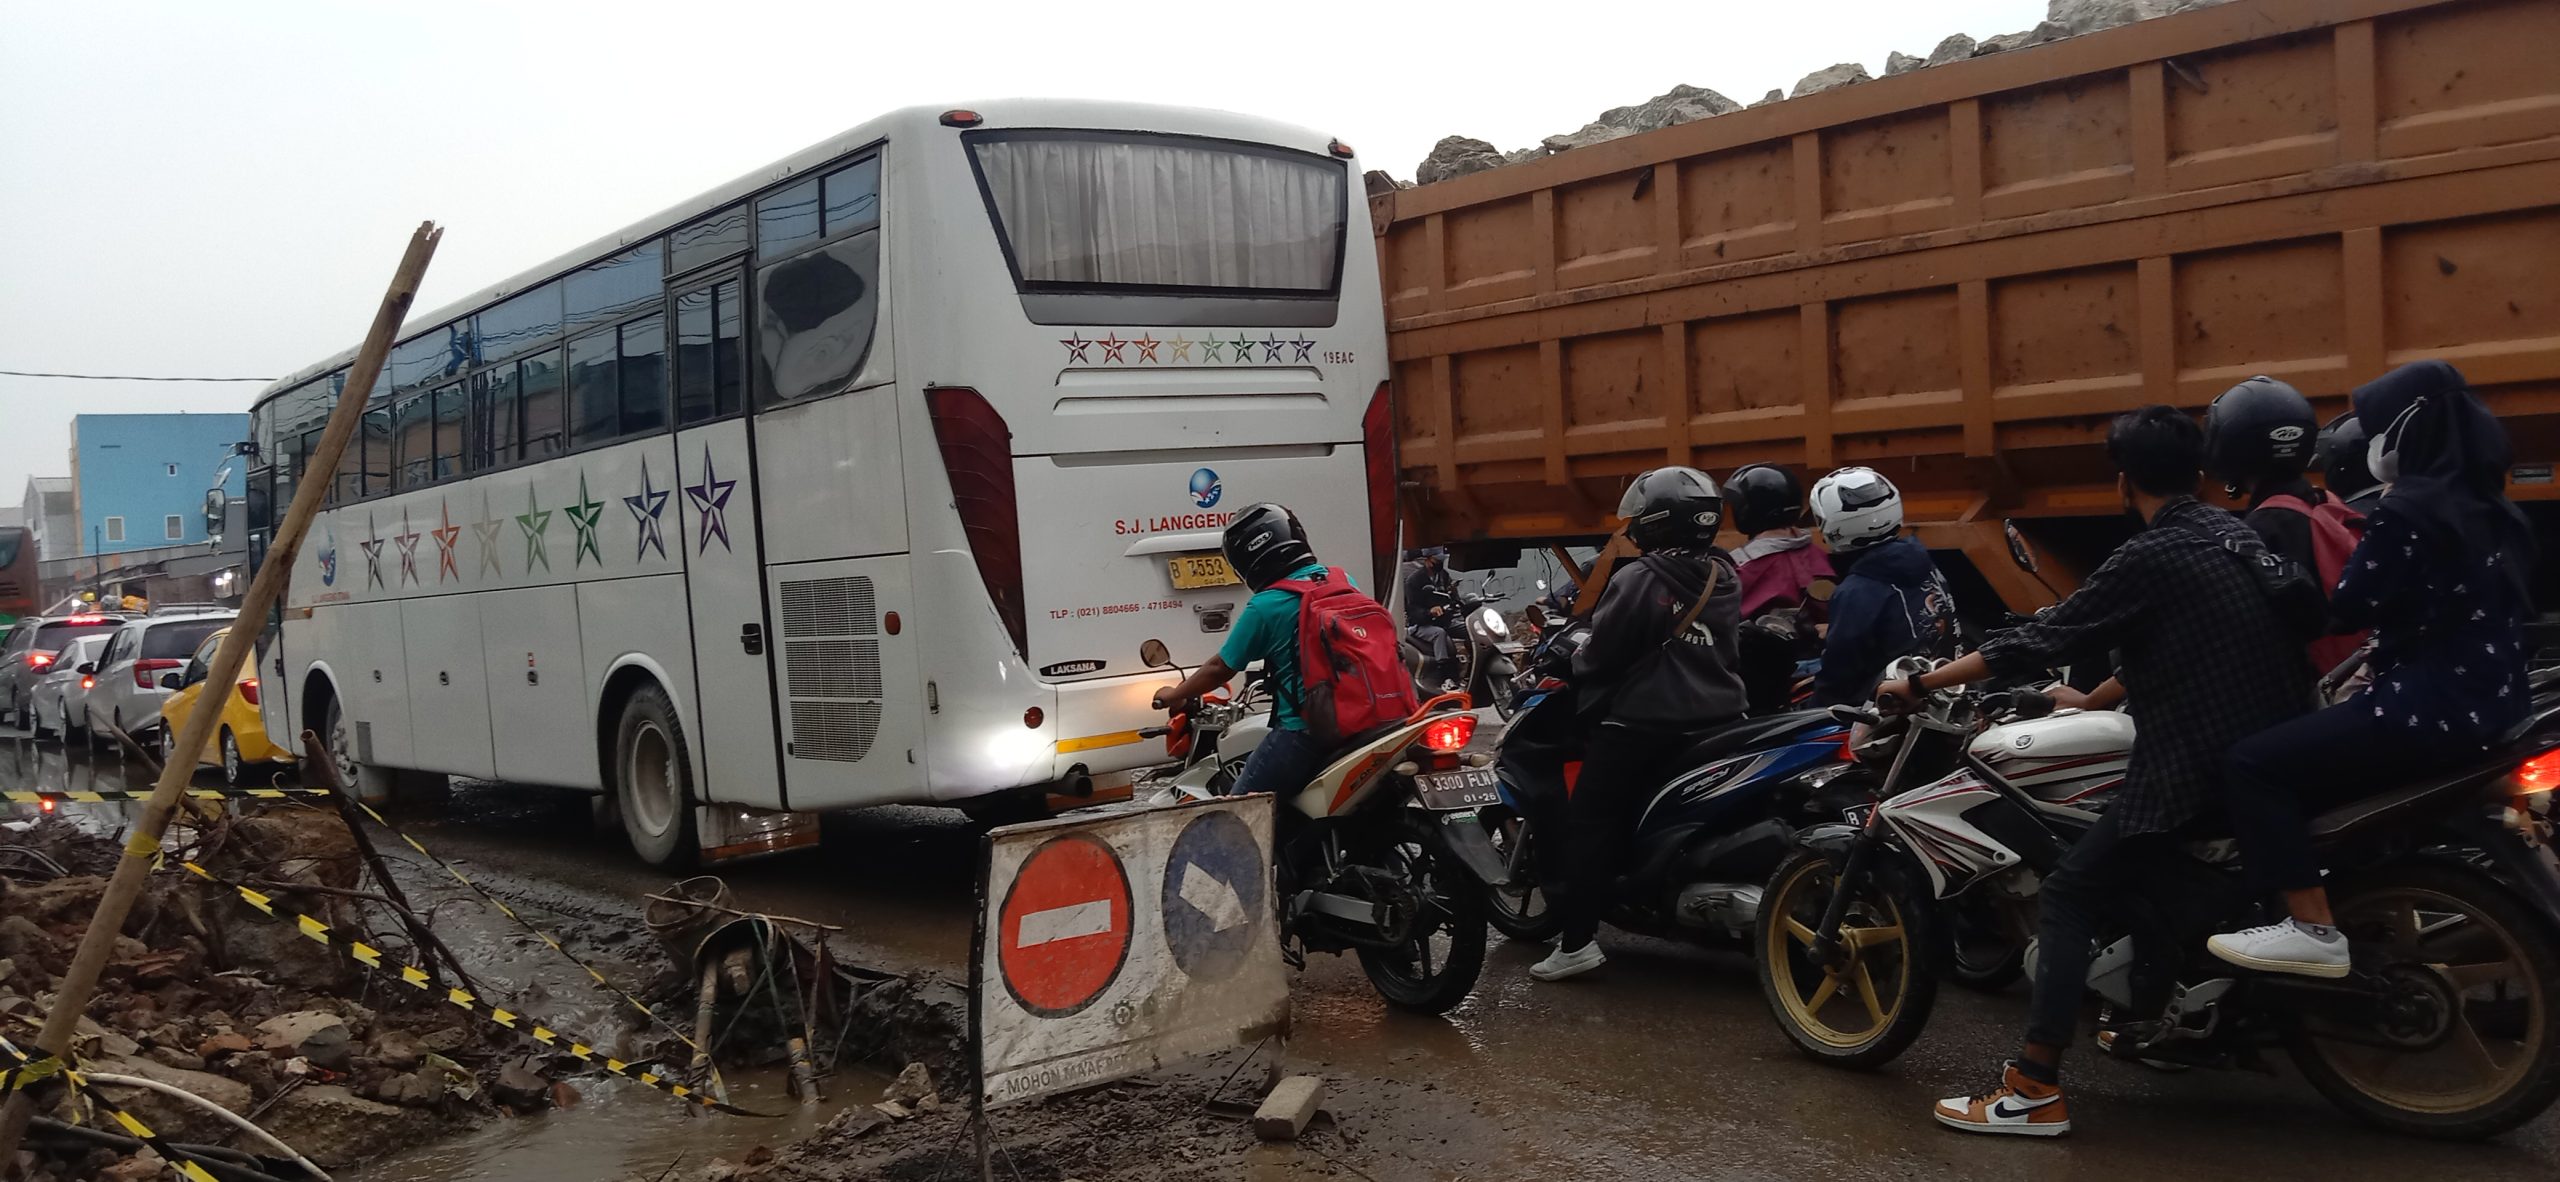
<point>143,670</point>
<point>1378,453</point>
<point>977,453</point>
<point>249,690</point>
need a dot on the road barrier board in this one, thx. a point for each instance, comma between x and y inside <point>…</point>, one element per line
<point>1113,942</point>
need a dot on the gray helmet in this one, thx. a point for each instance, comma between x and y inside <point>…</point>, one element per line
<point>1672,508</point>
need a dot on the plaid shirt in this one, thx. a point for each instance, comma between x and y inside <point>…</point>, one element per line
<point>2204,658</point>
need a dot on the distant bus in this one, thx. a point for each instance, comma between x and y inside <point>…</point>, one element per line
<point>17,574</point>
<point>858,480</point>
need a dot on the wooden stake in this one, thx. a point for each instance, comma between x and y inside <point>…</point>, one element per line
<point>316,757</point>
<point>142,848</point>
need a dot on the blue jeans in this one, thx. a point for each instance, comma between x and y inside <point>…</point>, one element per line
<point>1282,763</point>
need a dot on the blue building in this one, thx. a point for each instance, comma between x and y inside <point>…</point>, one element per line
<point>140,480</point>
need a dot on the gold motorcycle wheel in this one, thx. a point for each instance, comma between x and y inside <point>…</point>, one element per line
<point>1864,1008</point>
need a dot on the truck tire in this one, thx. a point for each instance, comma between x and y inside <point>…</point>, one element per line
<point>653,781</point>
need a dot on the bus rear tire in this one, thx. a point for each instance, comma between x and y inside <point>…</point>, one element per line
<point>370,784</point>
<point>653,780</point>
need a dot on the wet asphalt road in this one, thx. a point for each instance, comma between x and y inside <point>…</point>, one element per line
<point>1663,1065</point>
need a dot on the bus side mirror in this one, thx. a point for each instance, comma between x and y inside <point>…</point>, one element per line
<point>2018,552</point>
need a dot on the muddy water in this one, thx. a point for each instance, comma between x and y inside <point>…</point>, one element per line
<point>1663,1065</point>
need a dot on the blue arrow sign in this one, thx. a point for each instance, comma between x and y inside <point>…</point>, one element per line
<point>1215,882</point>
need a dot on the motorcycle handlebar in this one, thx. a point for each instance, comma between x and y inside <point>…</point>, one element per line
<point>1847,713</point>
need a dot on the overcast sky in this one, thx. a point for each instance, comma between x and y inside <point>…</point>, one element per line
<point>221,189</point>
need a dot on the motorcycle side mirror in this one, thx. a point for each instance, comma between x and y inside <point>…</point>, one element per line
<point>1820,590</point>
<point>1154,655</point>
<point>2018,552</point>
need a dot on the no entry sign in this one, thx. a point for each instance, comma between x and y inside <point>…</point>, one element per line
<point>1065,926</point>
<point>1113,941</point>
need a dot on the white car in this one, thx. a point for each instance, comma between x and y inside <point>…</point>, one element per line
<point>130,672</point>
<point>51,699</point>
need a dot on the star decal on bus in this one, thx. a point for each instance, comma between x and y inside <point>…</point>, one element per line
<point>445,536</point>
<point>1111,348</point>
<point>487,530</point>
<point>1271,346</point>
<point>408,541</point>
<point>1209,350</point>
<point>1305,347</point>
<point>1076,345</point>
<point>1147,347</point>
<point>584,516</point>
<point>1243,345</point>
<point>1181,348</point>
<point>372,547</point>
<point>535,521</point>
<point>710,500</point>
<point>645,509</point>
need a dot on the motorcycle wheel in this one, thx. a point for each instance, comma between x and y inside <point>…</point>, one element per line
<point>1982,954</point>
<point>1865,1012</point>
<point>1524,915</point>
<point>2473,980</point>
<point>1436,967</point>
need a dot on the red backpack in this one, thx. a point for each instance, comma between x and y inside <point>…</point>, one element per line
<point>2335,530</point>
<point>1354,678</point>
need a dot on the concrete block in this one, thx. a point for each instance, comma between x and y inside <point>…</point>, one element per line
<point>1285,1112</point>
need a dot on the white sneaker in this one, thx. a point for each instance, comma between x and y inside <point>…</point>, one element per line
<point>1561,964</point>
<point>2285,947</point>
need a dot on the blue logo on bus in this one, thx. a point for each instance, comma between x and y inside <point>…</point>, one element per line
<point>1205,489</point>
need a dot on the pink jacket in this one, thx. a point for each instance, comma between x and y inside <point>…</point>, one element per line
<point>1777,569</point>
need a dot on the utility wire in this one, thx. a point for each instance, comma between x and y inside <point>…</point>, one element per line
<point>120,377</point>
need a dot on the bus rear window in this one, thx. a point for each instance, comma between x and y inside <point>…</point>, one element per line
<point>1125,228</point>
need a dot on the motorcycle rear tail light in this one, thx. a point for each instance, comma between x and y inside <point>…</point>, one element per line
<point>2540,773</point>
<point>1449,734</point>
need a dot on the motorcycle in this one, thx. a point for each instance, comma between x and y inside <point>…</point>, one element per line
<point>1702,844</point>
<point>1489,654</point>
<point>1361,861</point>
<point>2448,1025</point>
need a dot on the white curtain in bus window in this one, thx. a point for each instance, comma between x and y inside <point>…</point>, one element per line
<point>1157,212</point>
<point>814,316</point>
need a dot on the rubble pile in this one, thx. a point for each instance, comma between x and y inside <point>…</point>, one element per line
<point>206,995</point>
<point>1457,155</point>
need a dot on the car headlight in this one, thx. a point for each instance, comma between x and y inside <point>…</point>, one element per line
<point>1488,622</point>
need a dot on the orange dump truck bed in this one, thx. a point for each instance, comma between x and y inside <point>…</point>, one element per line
<point>1957,275</point>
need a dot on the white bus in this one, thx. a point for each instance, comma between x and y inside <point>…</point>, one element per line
<point>859,480</point>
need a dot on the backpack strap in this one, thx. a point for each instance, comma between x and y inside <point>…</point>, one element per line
<point>2287,502</point>
<point>1302,586</point>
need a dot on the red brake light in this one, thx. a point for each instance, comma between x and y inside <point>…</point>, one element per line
<point>39,660</point>
<point>2540,773</point>
<point>88,683</point>
<point>977,453</point>
<point>249,691</point>
<point>1341,149</point>
<point>45,805</point>
<point>1449,733</point>
<point>962,117</point>
<point>143,669</point>
<point>86,620</point>
<point>1378,452</point>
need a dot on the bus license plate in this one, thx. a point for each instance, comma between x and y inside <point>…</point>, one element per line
<point>1192,572</point>
<point>1466,788</point>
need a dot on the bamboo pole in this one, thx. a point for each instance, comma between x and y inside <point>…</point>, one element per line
<point>143,846</point>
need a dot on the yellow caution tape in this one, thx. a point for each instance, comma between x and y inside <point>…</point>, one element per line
<point>416,978</point>
<point>494,901</point>
<point>112,795</point>
<point>27,1072</point>
<point>49,1065</point>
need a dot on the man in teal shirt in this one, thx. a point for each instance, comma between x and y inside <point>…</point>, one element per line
<point>1266,545</point>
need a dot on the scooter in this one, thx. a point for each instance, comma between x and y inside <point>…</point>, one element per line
<point>2447,1025</point>
<point>1363,862</point>
<point>1702,843</point>
<point>1488,652</point>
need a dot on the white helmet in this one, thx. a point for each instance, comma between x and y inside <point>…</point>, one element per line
<point>1856,508</point>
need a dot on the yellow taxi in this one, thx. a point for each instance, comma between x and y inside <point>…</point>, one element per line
<point>240,745</point>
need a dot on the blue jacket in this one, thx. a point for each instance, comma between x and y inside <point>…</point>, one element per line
<point>1891,603</point>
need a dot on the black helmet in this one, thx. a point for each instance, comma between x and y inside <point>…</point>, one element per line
<point>1764,497</point>
<point>1264,543</point>
<point>1672,508</point>
<point>2342,459</point>
<point>2261,429</point>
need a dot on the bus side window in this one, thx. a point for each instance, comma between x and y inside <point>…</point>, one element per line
<point>377,451</point>
<point>450,417</point>
<point>710,376</point>
<point>814,316</point>
<point>413,440</point>
<point>644,376</point>
<point>594,398</point>
<point>546,418</point>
